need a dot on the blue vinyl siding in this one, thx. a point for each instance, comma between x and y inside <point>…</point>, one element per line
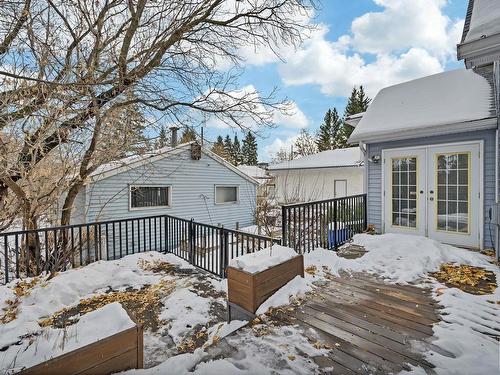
<point>375,183</point>
<point>190,181</point>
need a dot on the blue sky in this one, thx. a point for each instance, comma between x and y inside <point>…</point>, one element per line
<point>370,42</point>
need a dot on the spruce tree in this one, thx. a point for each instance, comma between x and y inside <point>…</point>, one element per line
<point>358,102</point>
<point>162,140</point>
<point>328,135</point>
<point>228,146</point>
<point>249,149</point>
<point>237,156</point>
<point>219,149</point>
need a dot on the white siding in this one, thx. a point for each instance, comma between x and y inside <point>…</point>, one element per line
<point>315,184</point>
<point>190,181</point>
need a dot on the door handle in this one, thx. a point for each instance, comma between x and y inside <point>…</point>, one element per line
<point>431,198</point>
<point>431,191</point>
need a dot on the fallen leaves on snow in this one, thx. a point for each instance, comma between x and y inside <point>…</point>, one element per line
<point>470,279</point>
<point>143,304</point>
<point>21,289</point>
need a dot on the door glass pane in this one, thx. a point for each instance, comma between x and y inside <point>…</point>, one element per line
<point>404,192</point>
<point>453,192</point>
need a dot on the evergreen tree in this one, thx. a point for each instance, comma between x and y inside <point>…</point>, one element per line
<point>237,156</point>
<point>328,137</point>
<point>219,149</point>
<point>124,131</point>
<point>228,146</point>
<point>188,135</point>
<point>162,140</point>
<point>249,149</point>
<point>358,102</point>
<point>304,144</point>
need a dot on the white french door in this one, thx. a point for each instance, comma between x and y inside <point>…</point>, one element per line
<point>434,191</point>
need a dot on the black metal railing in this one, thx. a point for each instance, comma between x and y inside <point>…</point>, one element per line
<point>326,223</point>
<point>31,252</point>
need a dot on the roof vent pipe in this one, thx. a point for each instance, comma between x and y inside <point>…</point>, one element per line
<point>173,136</point>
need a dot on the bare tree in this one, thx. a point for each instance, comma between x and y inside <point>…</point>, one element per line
<point>68,66</point>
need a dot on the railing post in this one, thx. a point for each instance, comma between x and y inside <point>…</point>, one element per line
<point>226,252</point>
<point>335,231</point>
<point>365,212</point>
<point>191,240</point>
<point>284,219</point>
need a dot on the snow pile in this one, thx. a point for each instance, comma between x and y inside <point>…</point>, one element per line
<point>263,259</point>
<point>191,307</point>
<point>297,287</point>
<point>285,351</point>
<point>396,257</point>
<point>222,330</point>
<point>50,343</point>
<point>69,287</point>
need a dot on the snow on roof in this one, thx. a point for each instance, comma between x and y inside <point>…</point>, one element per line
<point>344,157</point>
<point>129,159</point>
<point>253,171</point>
<point>483,19</point>
<point>115,167</point>
<point>427,106</point>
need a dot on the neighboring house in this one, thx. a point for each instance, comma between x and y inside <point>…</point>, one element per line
<point>431,144</point>
<point>186,181</point>
<point>325,175</point>
<point>266,188</point>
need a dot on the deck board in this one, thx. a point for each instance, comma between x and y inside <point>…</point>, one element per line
<point>369,323</point>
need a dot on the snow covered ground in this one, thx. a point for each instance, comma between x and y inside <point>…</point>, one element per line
<point>175,302</point>
<point>470,322</point>
<point>186,332</point>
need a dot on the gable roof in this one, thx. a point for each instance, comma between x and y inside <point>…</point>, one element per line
<point>339,158</point>
<point>482,20</point>
<point>457,100</point>
<point>135,161</point>
<point>255,172</point>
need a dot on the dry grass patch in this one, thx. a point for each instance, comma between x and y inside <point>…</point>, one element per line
<point>21,289</point>
<point>470,279</point>
<point>144,304</point>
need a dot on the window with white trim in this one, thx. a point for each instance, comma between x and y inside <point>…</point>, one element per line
<point>226,194</point>
<point>149,196</point>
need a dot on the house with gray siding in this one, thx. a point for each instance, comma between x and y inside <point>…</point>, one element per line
<point>187,181</point>
<point>431,145</point>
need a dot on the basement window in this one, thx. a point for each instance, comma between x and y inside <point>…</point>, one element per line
<point>149,196</point>
<point>226,194</point>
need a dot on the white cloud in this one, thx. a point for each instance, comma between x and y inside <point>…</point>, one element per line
<point>278,144</point>
<point>406,40</point>
<point>405,24</point>
<point>294,118</point>
<point>252,109</point>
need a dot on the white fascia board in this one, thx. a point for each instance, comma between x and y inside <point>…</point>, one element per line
<point>479,49</point>
<point>428,131</point>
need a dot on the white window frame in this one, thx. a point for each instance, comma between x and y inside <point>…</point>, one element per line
<point>335,186</point>
<point>237,201</point>
<point>130,186</point>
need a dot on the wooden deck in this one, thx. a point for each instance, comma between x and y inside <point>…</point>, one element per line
<point>372,326</point>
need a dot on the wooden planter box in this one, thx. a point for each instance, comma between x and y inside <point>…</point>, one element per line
<point>248,291</point>
<point>119,352</point>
